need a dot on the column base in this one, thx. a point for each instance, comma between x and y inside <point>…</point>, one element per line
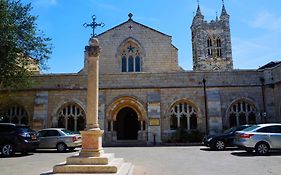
<point>92,159</point>
<point>106,164</point>
<point>91,143</point>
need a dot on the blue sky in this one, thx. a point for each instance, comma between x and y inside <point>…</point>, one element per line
<point>255,27</point>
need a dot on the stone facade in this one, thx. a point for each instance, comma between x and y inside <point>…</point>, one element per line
<point>145,96</point>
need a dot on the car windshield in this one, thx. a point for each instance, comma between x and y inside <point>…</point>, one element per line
<point>229,130</point>
<point>24,129</point>
<point>251,128</point>
<point>67,132</point>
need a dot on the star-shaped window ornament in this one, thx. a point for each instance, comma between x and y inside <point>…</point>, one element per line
<point>130,27</point>
<point>131,48</point>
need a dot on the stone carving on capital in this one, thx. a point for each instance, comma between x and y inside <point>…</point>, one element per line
<point>93,49</point>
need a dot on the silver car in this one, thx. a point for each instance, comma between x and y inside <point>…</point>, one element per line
<point>59,138</point>
<point>261,138</point>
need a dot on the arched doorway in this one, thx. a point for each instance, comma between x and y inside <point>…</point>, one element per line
<point>127,125</point>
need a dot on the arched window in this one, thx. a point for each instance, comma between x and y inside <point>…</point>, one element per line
<point>209,47</point>
<point>242,112</point>
<point>131,64</point>
<point>183,115</point>
<point>131,57</point>
<point>138,64</point>
<point>218,47</point>
<point>15,114</point>
<point>173,122</point>
<point>71,117</point>
<point>124,64</point>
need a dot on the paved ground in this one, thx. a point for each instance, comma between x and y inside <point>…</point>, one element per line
<point>193,160</point>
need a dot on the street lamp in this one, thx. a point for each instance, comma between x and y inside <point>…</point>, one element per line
<point>263,116</point>
<point>206,107</point>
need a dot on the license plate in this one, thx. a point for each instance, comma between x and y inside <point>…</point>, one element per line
<point>33,137</point>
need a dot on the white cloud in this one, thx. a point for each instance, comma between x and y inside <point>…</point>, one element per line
<point>254,52</point>
<point>267,20</point>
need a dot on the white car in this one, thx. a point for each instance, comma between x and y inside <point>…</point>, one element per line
<point>261,138</point>
<point>59,138</point>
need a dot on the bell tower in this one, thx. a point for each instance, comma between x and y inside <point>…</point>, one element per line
<point>211,42</point>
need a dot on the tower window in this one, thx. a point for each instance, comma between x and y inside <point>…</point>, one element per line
<point>210,47</point>
<point>218,48</point>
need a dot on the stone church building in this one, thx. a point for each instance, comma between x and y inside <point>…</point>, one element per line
<point>145,95</point>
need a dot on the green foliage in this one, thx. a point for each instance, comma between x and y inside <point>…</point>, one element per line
<point>195,136</point>
<point>185,136</point>
<point>180,136</point>
<point>20,40</point>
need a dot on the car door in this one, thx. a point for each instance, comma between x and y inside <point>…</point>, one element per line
<point>275,137</point>
<point>52,138</point>
<point>49,139</point>
<point>42,138</point>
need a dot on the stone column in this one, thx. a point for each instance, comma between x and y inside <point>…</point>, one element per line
<point>92,159</point>
<point>92,138</point>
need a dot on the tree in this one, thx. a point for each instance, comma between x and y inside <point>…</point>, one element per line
<point>21,44</point>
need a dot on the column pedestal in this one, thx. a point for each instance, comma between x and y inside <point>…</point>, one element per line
<point>91,143</point>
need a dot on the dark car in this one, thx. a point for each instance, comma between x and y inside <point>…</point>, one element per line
<point>221,141</point>
<point>17,138</point>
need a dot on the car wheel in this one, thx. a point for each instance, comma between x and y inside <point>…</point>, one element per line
<point>220,145</point>
<point>262,148</point>
<point>8,150</point>
<point>61,147</point>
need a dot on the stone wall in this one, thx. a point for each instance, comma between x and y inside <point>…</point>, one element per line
<point>274,84</point>
<point>156,92</point>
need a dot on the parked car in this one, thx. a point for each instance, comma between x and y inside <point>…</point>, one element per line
<point>59,138</point>
<point>221,141</point>
<point>17,138</point>
<point>260,138</point>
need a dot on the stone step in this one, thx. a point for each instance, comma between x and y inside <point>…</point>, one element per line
<point>126,169</point>
<point>104,159</point>
<point>112,167</point>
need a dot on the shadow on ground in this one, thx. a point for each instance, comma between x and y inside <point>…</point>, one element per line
<point>17,155</point>
<point>253,154</point>
<point>53,151</point>
<point>226,149</point>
